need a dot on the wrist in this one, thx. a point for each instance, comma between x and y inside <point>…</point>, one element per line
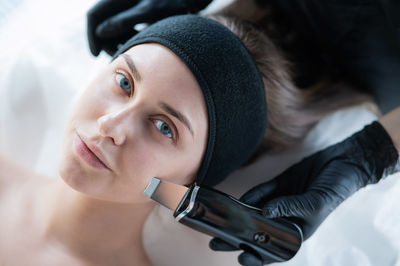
<point>373,149</point>
<point>391,123</point>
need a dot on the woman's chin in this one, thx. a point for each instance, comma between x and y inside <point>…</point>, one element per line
<point>72,177</point>
<point>79,178</point>
<point>91,185</point>
<point>100,184</point>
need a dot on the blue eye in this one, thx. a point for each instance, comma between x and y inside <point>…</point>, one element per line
<point>123,82</point>
<point>164,128</point>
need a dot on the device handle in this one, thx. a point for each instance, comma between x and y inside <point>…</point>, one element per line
<point>220,215</point>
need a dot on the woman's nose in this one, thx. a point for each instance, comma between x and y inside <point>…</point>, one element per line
<point>112,125</point>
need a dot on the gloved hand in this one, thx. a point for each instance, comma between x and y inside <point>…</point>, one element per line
<point>111,22</point>
<point>310,190</point>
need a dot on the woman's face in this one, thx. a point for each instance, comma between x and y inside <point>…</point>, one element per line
<point>143,117</point>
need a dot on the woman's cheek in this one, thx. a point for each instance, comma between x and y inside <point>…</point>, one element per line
<point>99,96</point>
<point>153,160</point>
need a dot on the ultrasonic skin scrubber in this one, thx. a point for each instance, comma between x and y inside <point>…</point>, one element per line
<point>220,215</point>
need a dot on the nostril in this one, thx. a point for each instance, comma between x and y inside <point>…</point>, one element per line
<point>119,140</point>
<point>109,128</point>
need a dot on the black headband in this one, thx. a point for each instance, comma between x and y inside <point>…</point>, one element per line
<point>231,83</point>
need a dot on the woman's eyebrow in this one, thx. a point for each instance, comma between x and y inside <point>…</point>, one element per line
<point>181,117</point>
<point>132,67</point>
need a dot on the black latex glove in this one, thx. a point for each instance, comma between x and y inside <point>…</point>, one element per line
<point>310,190</point>
<point>111,22</point>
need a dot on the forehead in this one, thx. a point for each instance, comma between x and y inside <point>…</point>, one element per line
<point>160,66</point>
<point>166,77</point>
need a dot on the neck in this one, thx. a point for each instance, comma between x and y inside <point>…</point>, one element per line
<point>93,228</point>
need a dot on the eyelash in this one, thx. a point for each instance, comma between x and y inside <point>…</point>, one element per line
<point>173,128</point>
<point>123,73</point>
<point>174,137</point>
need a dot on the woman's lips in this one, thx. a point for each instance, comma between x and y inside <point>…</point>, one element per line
<point>87,155</point>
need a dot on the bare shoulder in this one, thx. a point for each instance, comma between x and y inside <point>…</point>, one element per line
<point>12,173</point>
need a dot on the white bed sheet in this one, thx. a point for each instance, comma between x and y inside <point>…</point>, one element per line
<point>44,61</point>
